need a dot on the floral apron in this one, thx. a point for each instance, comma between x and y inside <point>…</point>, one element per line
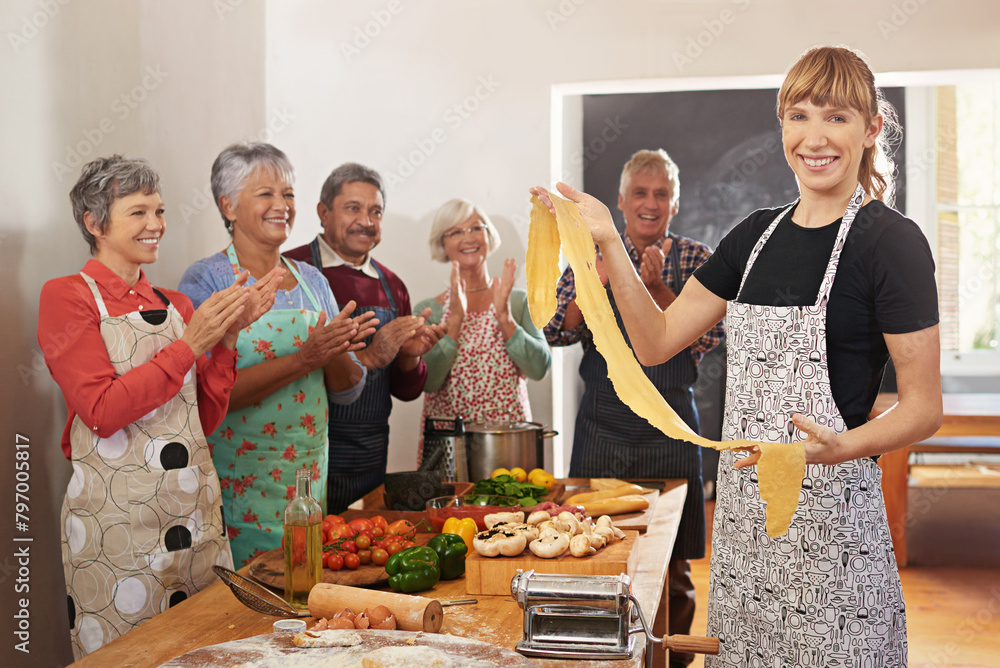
<point>258,448</point>
<point>828,592</point>
<point>141,524</point>
<point>483,376</point>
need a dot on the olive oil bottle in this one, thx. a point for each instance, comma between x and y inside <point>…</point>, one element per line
<point>303,542</point>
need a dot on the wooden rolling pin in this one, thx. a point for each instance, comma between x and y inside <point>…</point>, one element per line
<point>413,613</point>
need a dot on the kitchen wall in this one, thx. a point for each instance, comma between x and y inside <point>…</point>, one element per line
<point>446,99</point>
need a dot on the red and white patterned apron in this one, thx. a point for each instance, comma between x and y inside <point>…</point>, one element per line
<point>828,592</point>
<point>483,376</point>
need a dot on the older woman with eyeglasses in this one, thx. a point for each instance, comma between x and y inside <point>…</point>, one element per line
<point>491,347</point>
<point>292,361</point>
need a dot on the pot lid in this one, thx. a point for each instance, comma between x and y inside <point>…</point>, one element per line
<point>502,427</point>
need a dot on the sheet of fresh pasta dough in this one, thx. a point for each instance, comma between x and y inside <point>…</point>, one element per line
<point>541,266</point>
<point>781,466</point>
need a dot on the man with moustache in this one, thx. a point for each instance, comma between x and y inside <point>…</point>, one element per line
<point>610,440</point>
<point>350,210</point>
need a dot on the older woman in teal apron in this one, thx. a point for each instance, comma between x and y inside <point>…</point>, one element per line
<point>141,523</point>
<point>291,361</point>
<point>820,295</point>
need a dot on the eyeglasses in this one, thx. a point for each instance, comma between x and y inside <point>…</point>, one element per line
<point>474,230</point>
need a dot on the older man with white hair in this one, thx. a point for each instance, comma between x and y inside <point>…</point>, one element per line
<point>610,440</point>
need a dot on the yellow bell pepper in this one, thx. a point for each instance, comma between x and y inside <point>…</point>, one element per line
<point>465,528</point>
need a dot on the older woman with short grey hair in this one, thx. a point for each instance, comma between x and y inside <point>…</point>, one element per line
<point>491,347</point>
<point>292,361</point>
<point>140,522</point>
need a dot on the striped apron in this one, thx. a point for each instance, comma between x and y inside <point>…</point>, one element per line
<point>359,431</point>
<point>611,441</point>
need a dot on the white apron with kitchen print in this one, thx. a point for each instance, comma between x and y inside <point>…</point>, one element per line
<point>141,521</point>
<point>827,593</point>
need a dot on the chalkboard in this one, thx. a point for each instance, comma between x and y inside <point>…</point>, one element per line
<point>727,144</point>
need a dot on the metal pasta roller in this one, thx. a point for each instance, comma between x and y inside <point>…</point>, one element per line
<point>588,617</point>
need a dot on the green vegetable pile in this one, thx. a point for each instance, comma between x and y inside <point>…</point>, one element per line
<point>507,485</point>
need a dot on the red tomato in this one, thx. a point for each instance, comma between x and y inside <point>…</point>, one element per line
<point>379,523</point>
<point>378,532</point>
<point>363,541</point>
<point>393,547</point>
<point>352,561</point>
<point>379,556</point>
<point>399,528</point>
<point>342,531</point>
<point>362,524</point>
<point>350,546</point>
<point>298,545</point>
<point>365,556</point>
<point>408,543</point>
<point>334,561</point>
<point>334,519</point>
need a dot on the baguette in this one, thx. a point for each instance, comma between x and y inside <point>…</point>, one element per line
<point>585,497</point>
<point>619,505</point>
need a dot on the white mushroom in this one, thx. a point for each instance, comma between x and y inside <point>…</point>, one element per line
<point>606,534</point>
<point>494,542</point>
<point>548,531</point>
<point>579,546</point>
<point>529,531</point>
<point>568,522</point>
<point>597,541</point>
<point>506,518</point>
<point>549,546</point>
<point>538,517</point>
<point>548,524</point>
<point>605,520</point>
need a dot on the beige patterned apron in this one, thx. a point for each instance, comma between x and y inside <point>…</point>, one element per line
<point>827,593</point>
<point>141,523</point>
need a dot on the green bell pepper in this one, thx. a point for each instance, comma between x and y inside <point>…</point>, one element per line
<point>413,569</point>
<point>451,550</point>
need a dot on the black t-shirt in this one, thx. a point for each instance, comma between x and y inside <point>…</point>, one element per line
<point>884,285</point>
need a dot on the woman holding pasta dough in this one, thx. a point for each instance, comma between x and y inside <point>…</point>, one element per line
<point>817,296</point>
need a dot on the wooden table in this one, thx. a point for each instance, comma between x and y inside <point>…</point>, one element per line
<point>964,415</point>
<point>215,616</point>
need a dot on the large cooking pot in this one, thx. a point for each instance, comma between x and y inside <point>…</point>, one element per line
<point>489,446</point>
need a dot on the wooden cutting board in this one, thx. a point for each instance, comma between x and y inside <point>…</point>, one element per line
<point>269,568</point>
<point>276,650</point>
<point>492,575</point>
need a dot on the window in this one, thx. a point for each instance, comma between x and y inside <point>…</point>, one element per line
<point>968,206</point>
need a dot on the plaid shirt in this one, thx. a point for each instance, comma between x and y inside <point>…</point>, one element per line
<point>692,255</point>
